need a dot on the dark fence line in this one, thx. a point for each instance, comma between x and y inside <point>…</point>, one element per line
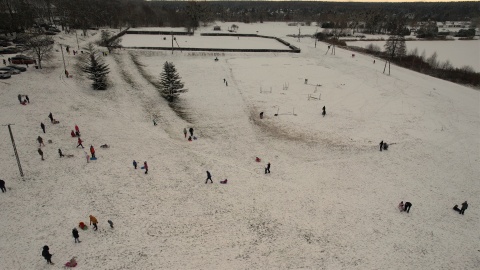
<point>118,35</point>
<point>213,49</point>
<point>138,32</point>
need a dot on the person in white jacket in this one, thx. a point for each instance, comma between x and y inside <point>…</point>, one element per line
<point>401,206</point>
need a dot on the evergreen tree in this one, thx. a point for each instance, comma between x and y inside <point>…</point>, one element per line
<point>96,70</point>
<point>170,84</point>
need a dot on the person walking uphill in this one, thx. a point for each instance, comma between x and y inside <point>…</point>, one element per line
<point>92,151</point>
<point>464,207</point>
<point>94,221</point>
<point>43,127</point>
<point>80,143</point>
<point>191,131</point>
<point>2,186</point>
<point>267,169</point>
<point>40,152</point>
<point>381,145</point>
<point>145,166</point>
<point>40,141</point>
<point>51,117</point>
<point>76,235</point>
<point>134,164</point>
<point>209,177</point>
<point>46,254</point>
<point>407,207</point>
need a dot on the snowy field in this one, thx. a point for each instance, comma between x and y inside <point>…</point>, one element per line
<point>459,52</point>
<point>330,201</point>
<point>134,40</point>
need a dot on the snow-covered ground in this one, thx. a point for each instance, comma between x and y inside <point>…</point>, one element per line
<point>459,52</point>
<point>330,201</point>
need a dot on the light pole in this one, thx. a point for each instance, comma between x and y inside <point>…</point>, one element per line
<point>76,35</point>
<point>64,66</point>
<point>15,150</point>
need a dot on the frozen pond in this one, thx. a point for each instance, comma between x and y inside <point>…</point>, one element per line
<point>459,52</point>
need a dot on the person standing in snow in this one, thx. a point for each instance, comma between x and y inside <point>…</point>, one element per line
<point>26,98</point>
<point>60,153</point>
<point>185,132</point>
<point>51,117</point>
<point>401,206</point>
<point>40,152</point>
<point>94,221</point>
<point>154,122</point>
<point>19,98</point>
<point>261,115</point>
<point>464,207</point>
<point>42,126</point>
<point>40,141</point>
<point>381,145</point>
<point>77,130</point>
<point>134,164</point>
<point>191,131</point>
<point>111,223</point>
<point>76,235</point>
<point>324,112</point>
<point>209,177</point>
<point>407,207</point>
<point>267,169</point>
<point>46,254</point>
<point>2,186</point>
<point>92,151</point>
<point>145,166</point>
<point>80,143</point>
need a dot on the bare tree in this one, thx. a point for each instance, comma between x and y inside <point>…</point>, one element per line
<point>40,46</point>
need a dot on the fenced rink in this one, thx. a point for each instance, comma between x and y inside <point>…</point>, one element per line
<point>205,42</point>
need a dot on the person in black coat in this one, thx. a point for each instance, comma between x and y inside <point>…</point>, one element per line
<point>324,112</point>
<point>464,207</point>
<point>191,131</point>
<point>407,207</point>
<point>46,254</point>
<point>76,235</point>
<point>60,153</point>
<point>2,186</point>
<point>51,117</point>
<point>267,169</point>
<point>209,177</point>
<point>43,127</point>
<point>381,145</point>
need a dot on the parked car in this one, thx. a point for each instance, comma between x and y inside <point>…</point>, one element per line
<point>8,50</point>
<point>19,68</point>
<point>4,74</point>
<point>10,70</point>
<point>22,59</point>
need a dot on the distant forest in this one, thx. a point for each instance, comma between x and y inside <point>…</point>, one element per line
<point>18,15</point>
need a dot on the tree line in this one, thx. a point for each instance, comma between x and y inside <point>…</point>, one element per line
<point>18,15</point>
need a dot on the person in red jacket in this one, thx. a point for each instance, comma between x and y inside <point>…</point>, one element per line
<point>80,143</point>
<point>77,129</point>
<point>92,151</point>
<point>71,133</point>
<point>145,166</point>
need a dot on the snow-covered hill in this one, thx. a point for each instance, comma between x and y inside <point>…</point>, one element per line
<point>330,201</point>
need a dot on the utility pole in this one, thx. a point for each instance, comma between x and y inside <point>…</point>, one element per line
<point>64,66</point>
<point>172,42</point>
<point>15,150</point>
<point>76,35</point>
